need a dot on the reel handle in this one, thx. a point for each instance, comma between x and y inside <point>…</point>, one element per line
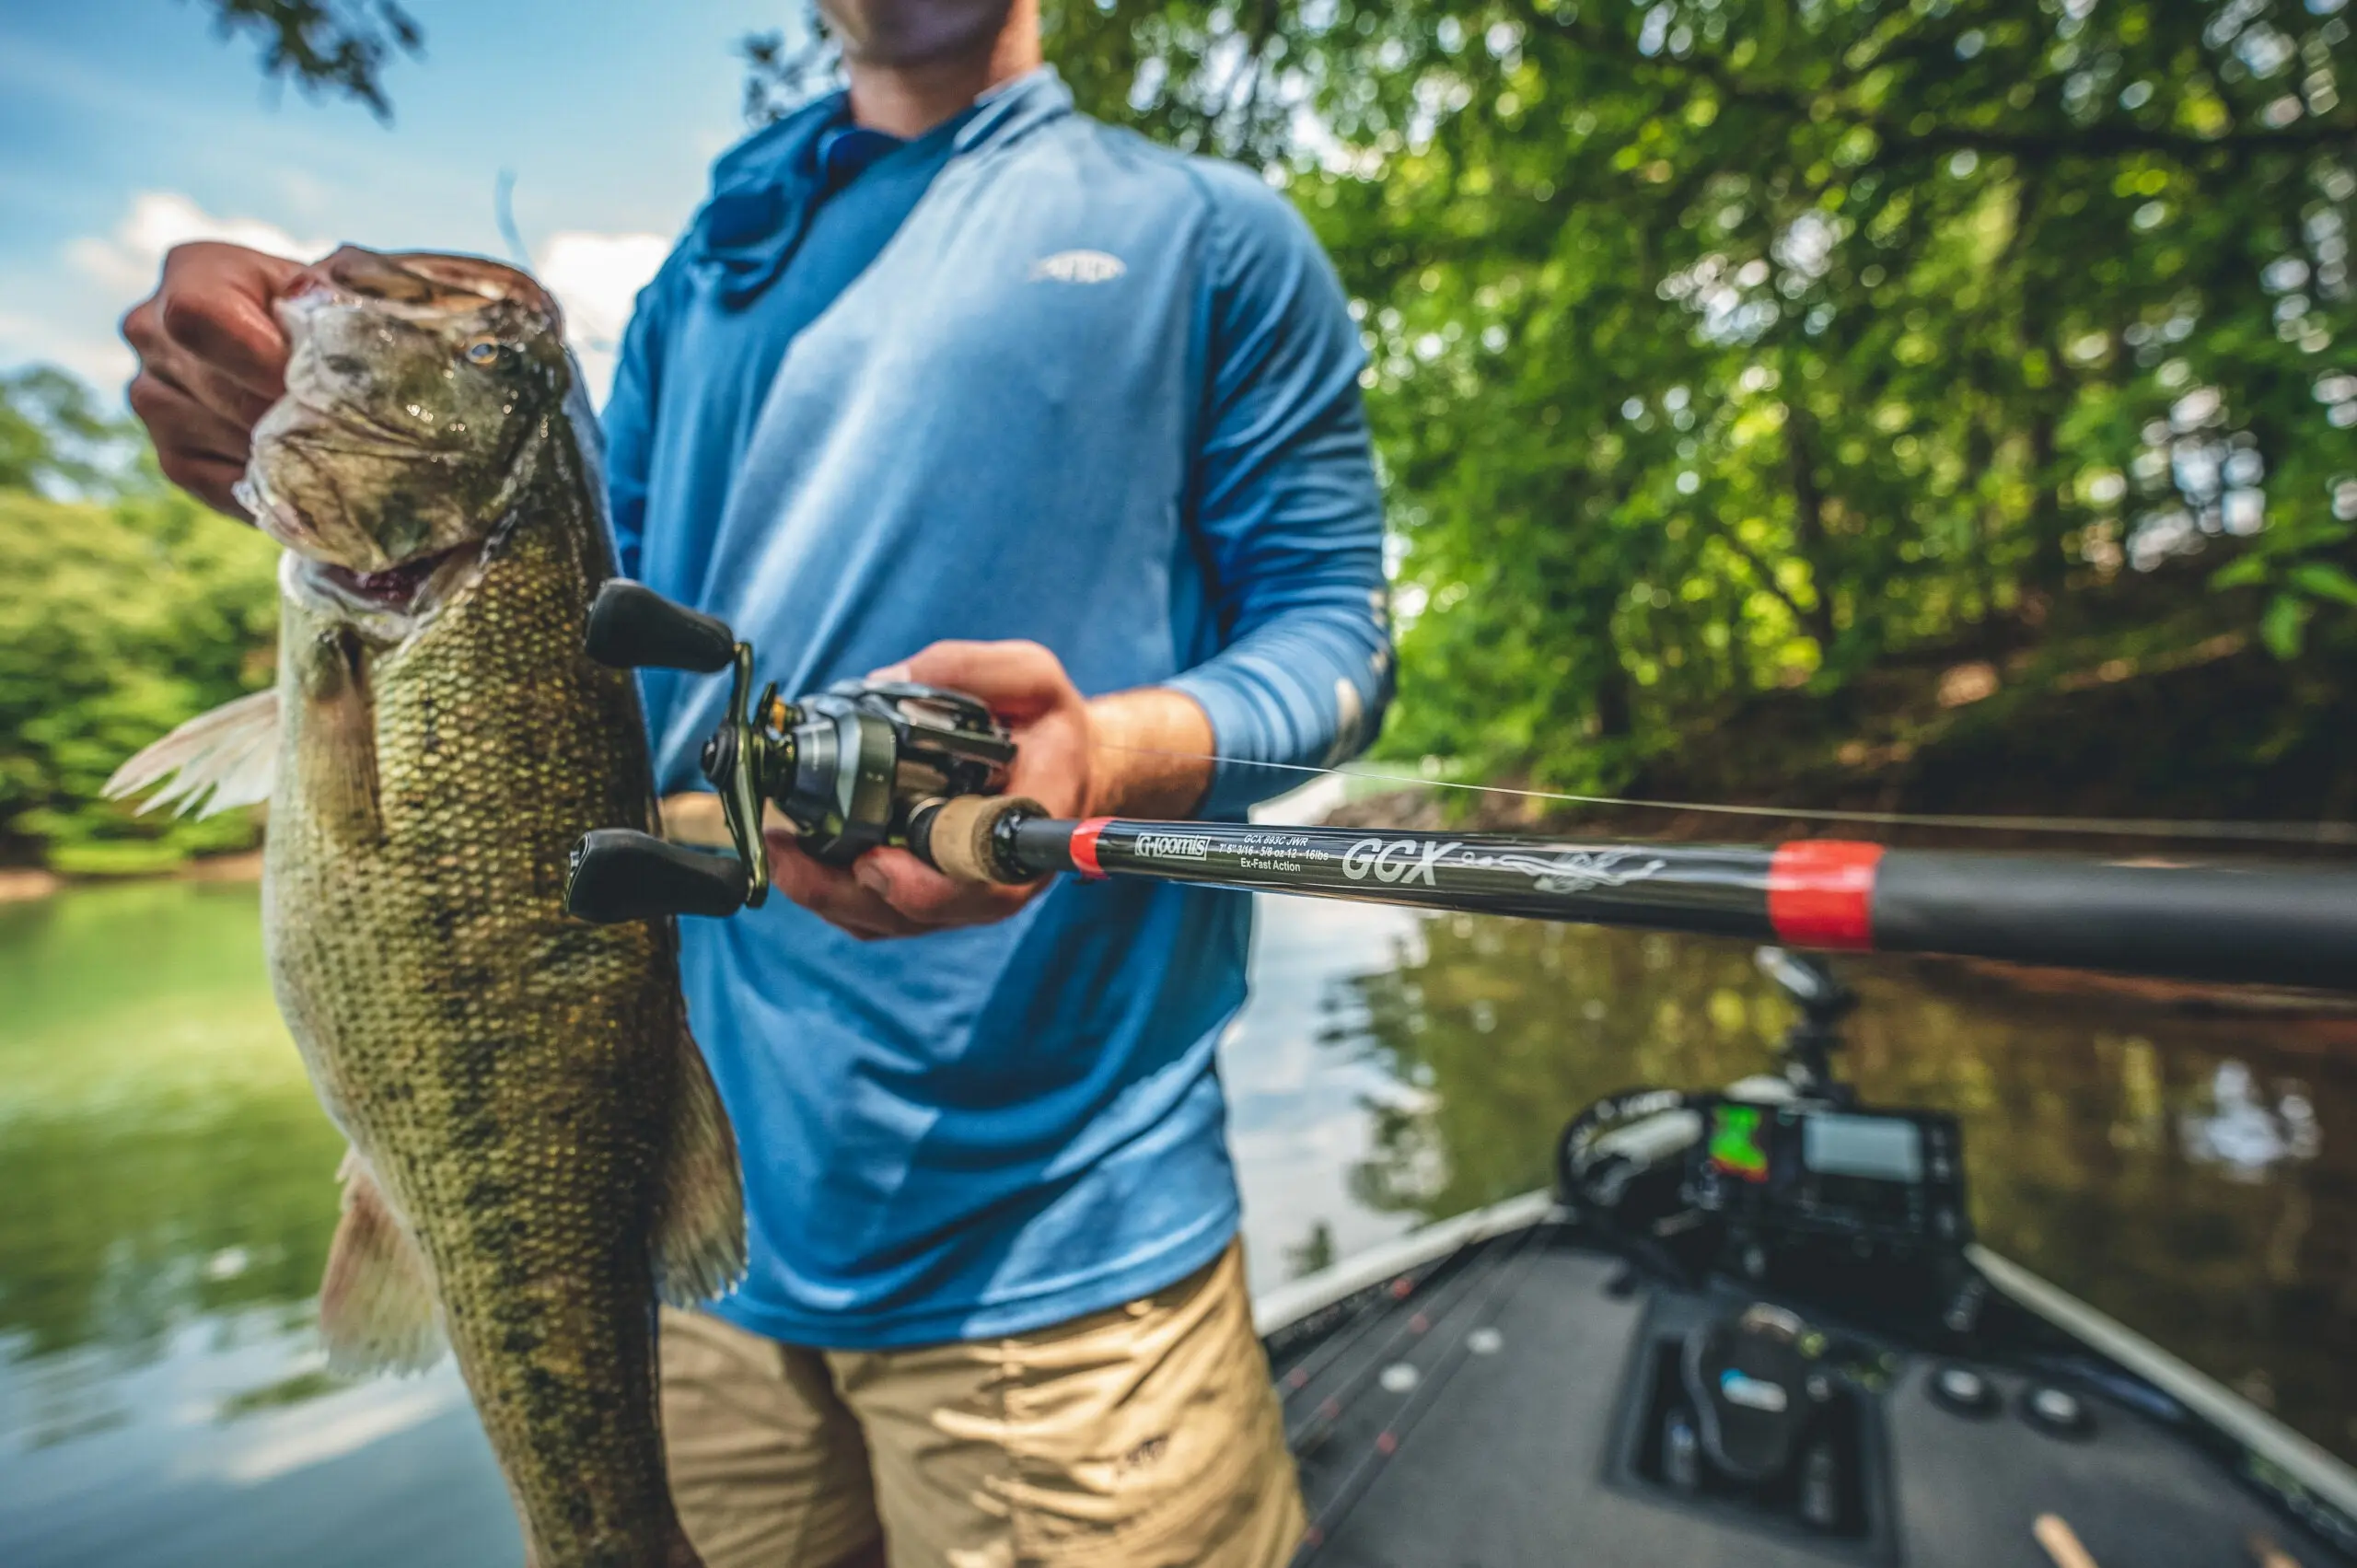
<point>632,627</point>
<point>618,873</point>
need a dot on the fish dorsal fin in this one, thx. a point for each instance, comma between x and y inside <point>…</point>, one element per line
<point>217,759</point>
<point>699,1229</point>
<point>377,1310</point>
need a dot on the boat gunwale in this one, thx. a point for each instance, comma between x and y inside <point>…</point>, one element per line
<point>1280,1308</point>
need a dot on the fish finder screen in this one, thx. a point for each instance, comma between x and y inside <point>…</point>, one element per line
<point>1736,1142</point>
<point>1878,1148</point>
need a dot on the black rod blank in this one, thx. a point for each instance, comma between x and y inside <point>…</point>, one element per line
<point>2237,924</point>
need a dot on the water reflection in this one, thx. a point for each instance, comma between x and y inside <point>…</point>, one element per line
<point>169,1194</point>
<point>2249,1130</point>
<point>167,1188</point>
<point>2195,1178</point>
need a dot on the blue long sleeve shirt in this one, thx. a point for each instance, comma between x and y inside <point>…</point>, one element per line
<point>1026,376</point>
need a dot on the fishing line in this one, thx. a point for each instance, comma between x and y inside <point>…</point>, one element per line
<point>502,211</point>
<point>2304,833</point>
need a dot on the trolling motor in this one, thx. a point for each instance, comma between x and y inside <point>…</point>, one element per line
<point>849,767</point>
<point>1816,1035</point>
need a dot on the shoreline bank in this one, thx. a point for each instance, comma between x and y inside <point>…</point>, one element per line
<point>23,883</point>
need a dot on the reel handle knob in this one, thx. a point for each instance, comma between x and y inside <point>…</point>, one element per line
<point>618,873</point>
<point>632,627</point>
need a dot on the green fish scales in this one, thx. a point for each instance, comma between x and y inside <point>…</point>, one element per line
<point>538,1155</point>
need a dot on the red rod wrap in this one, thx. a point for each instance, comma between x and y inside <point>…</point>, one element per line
<point>1821,893</point>
<point>1083,845</point>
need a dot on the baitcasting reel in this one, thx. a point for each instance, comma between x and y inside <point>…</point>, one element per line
<point>859,764</point>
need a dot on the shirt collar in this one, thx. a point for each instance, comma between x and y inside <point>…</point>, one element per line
<point>1015,107</point>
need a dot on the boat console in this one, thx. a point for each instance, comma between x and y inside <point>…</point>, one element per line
<point>1797,1183</point>
<point>1785,1181</point>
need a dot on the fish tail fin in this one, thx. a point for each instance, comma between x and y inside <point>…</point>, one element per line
<point>699,1230</point>
<point>376,1300</point>
<point>228,756</point>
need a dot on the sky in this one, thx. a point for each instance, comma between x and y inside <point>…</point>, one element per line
<point>127,126</point>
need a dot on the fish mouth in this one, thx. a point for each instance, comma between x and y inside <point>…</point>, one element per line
<point>394,587</point>
<point>391,602</point>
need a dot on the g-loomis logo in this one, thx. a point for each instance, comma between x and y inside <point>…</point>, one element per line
<point>1173,846</point>
<point>1402,860</point>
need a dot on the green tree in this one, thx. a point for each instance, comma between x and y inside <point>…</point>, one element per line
<point>1722,346</point>
<point>119,617</point>
<point>53,435</point>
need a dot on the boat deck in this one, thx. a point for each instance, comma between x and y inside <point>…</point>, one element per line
<point>1502,1405</point>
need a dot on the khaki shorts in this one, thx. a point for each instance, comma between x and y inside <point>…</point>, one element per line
<point>1148,1434</point>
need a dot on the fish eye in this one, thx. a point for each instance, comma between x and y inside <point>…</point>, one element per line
<point>482,351</point>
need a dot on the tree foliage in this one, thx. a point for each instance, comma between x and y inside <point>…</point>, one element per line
<point>120,615</point>
<point>53,435</point>
<point>325,46</point>
<point>785,69</point>
<point>1719,346</point>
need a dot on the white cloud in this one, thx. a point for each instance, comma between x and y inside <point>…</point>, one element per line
<point>126,261</point>
<point>97,357</point>
<point>596,277</point>
<point>105,274</point>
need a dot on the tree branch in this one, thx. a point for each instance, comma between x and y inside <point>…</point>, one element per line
<point>1803,619</point>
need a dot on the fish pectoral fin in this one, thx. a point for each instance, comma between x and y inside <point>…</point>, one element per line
<point>699,1230</point>
<point>377,1310</point>
<point>337,758</point>
<point>217,759</point>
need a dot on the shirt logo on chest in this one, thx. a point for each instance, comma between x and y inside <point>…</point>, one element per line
<point>1077,266</point>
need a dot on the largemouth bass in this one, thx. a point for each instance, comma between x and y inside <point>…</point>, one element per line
<point>537,1152</point>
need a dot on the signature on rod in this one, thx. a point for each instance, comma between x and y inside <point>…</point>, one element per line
<point>1575,872</point>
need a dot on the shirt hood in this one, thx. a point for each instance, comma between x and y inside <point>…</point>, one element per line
<point>765,188</point>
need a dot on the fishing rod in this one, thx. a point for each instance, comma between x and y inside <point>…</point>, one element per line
<point>868,763</point>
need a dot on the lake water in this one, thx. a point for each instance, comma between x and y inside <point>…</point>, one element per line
<point>167,1188</point>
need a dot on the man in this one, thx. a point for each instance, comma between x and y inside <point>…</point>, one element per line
<point>941,358</point>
